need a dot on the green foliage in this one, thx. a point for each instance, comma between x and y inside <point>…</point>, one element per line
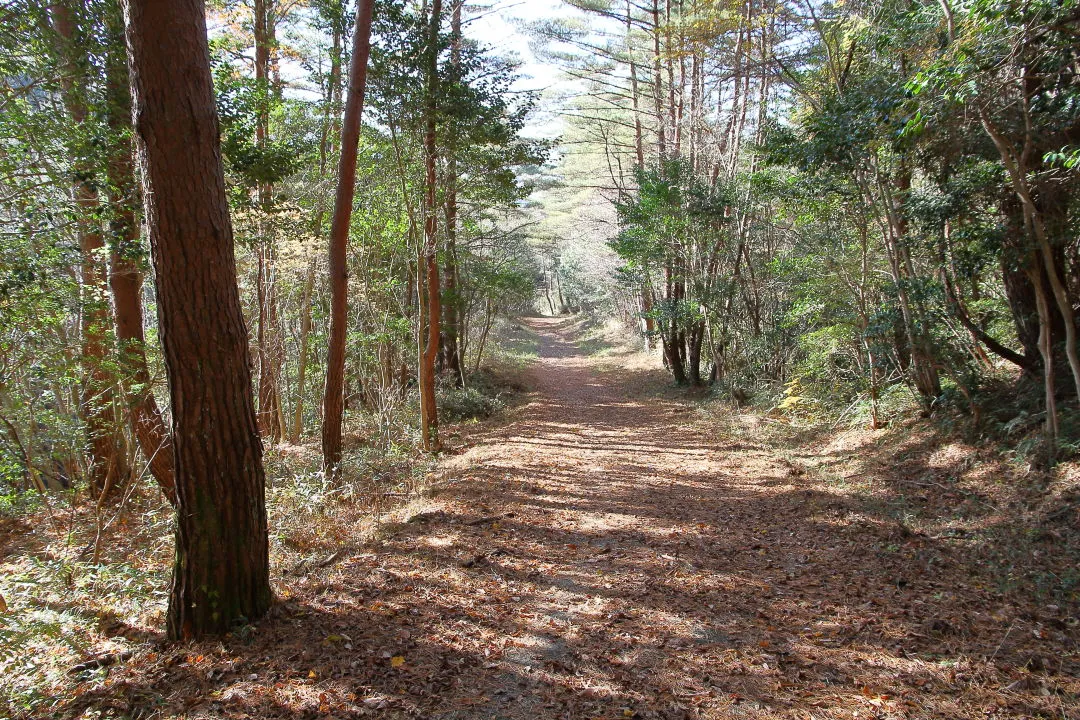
<point>468,403</point>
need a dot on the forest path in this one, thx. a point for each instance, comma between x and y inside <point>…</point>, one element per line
<point>617,532</point>
<point>612,553</point>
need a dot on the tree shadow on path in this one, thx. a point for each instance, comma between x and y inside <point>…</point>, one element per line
<point>605,557</point>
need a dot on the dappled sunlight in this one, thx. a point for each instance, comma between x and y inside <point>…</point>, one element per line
<point>599,558</point>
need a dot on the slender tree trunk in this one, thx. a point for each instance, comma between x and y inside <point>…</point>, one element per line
<point>639,144</point>
<point>429,414</point>
<point>956,306</point>
<point>673,338</point>
<point>125,276</point>
<point>673,102</point>
<point>334,398</point>
<point>412,302</point>
<point>221,575</point>
<point>894,229</point>
<point>489,317</point>
<point>563,309</point>
<point>302,360</point>
<point>262,113</point>
<point>451,328</point>
<point>108,462</point>
<point>926,375</point>
<point>649,322</point>
<point>658,85</point>
<point>271,345</point>
<point>1046,349</point>
<point>695,109</point>
<point>326,145</point>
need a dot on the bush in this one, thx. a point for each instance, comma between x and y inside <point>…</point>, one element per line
<point>470,403</point>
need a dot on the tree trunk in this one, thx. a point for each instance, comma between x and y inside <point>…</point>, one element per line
<point>125,276</point>
<point>429,414</point>
<point>649,324</point>
<point>913,340</point>
<point>451,328</point>
<point>1015,165</point>
<point>334,397</point>
<point>221,574</point>
<point>639,145</point>
<point>412,302</point>
<point>302,360</point>
<point>673,339</point>
<point>1047,351</point>
<point>108,463</point>
<point>271,350</point>
<point>674,105</point>
<point>697,337</point>
<point>658,87</point>
<point>329,129</point>
<point>489,317</point>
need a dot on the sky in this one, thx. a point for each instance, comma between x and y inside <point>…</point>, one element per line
<point>498,28</point>
<point>497,25</point>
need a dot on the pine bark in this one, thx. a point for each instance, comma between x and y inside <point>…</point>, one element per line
<point>221,569</point>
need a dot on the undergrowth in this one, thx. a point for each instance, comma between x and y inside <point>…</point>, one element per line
<point>64,608</point>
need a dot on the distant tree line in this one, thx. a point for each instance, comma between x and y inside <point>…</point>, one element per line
<point>846,200</point>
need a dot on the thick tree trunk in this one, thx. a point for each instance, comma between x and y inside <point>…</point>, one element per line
<point>108,464</point>
<point>429,414</point>
<point>334,397</point>
<point>221,575</point>
<point>125,276</point>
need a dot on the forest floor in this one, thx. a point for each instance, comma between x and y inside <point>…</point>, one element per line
<point>614,549</point>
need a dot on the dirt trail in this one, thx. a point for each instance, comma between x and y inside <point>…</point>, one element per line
<point>603,556</point>
<point>641,567</point>
<point>609,548</point>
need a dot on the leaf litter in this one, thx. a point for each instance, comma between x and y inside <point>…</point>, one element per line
<point>610,553</point>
